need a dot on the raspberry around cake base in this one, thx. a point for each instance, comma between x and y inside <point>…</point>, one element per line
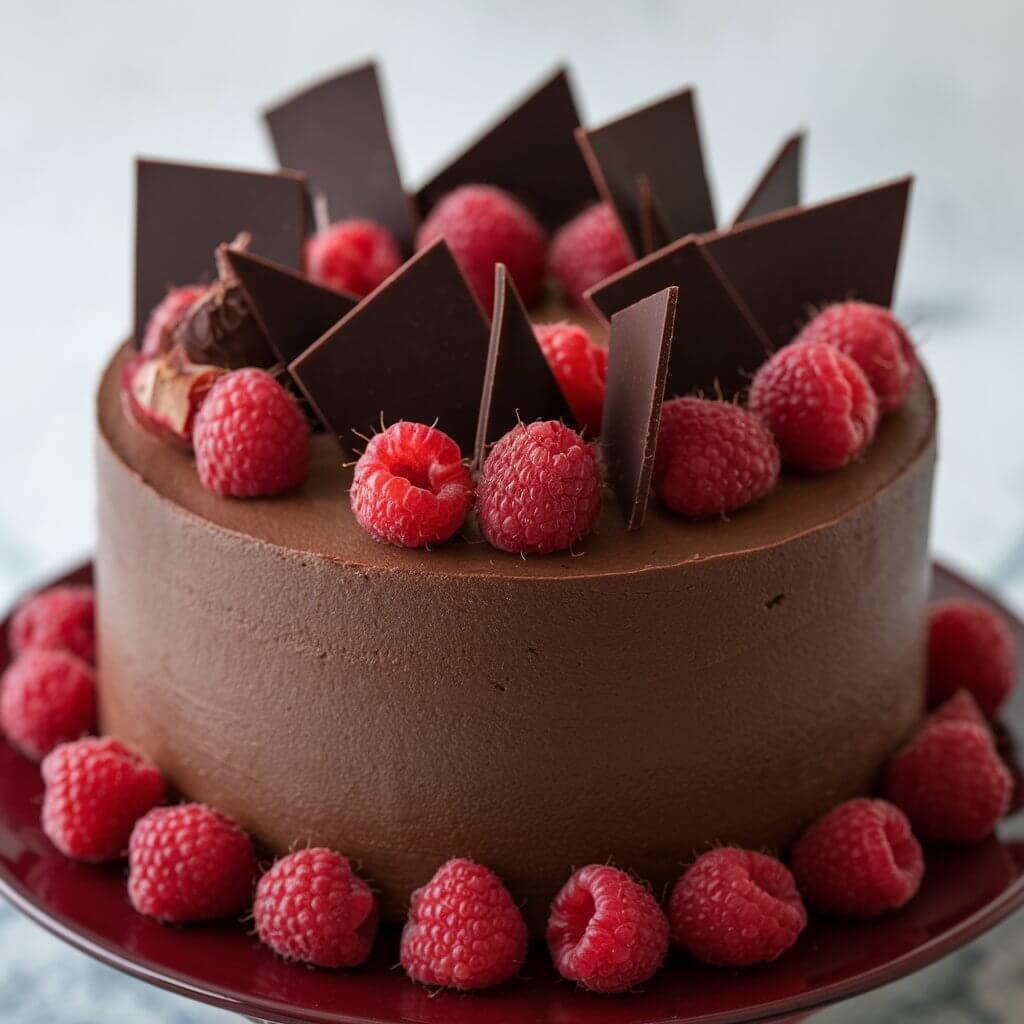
<point>638,700</point>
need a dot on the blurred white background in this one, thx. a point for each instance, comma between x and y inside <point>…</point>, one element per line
<point>884,86</point>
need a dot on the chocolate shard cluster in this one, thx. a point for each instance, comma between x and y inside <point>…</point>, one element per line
<point>778,188</point>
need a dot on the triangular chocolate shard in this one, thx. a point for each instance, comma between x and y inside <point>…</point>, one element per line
<point>415,348</point>
<point>785,265</point>
<point>530,153</point>
<point>184,211</point>
<point>654,232</point>
<point>661,140</point>
<point>778,188</point>
<point>518,383</point>
<point>638,359</point>
<point>292,311</point>
<point>336,133</point>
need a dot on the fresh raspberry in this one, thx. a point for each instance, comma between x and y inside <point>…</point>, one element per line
<point>352,256</point>
<point>46,698</point>
<point>166,315</point>
<point>411,487</point>
<point>961,707</point>
<point>310,907</point>
<point>712,458</point>
<point>484,226</point>
<point>818,404</point>
<point>580,368</point>
<point>250,438</point>
<point>58,619</point>
<point>540,490</point>
<point>606,931</point>
<point>96,789</point>
<point>876,341</point>
<point>586,250</point>
<point>464,931</point>
<point>189,863</point>
<point>735,907</point>
<point>970,647</point>
<point>950,782</point>
<point>859,860</point>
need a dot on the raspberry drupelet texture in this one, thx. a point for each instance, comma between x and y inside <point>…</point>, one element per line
<point>950,782</point>
<point>580,368</point>
<point>58,619</point>
<point>250,438</point>
<point>606,931</point>
<point>970,647</point>
<point>734,908</point>
<point>859,860</point>
<point>464,930</point>
<point>166,315</point>
<point>46,698</point>
<point>961,707</point>
<point>876,341</point>
<point>712,458</point>
<point>410,486</point>
<point>818,404</point>
<point>484,226</point>
<point>190,863</point>
<point>96,790</point>
<point>540,490</point>
<point>310,907</point>
<point>586,250</point>
<point>352,256</point>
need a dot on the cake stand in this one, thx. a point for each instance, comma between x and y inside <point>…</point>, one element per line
<point>966,892</point>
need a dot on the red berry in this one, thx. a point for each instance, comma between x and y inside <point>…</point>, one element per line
<point>189,863</point>
<point>712,458</point>
<point>352,256</point>
<point>961,707</point>
<point>818,404</point>
<point>586,250</point>
<point>411,487</point>
<point>310,907</point>
<point>46,698</point>
<point>58,619</point>
<point>464,930</point>
<point>606,931</point>
<point>950,782</point>
<point>859,860</point>
<point>166,315</point>
<point>735,907</point>
<point>876,341</point>
<point>580,368</point>
<point>970,647</point>
<point>540,490</point>
<point>96,789</point>
<point>250,438</point>
<point>484,226</point>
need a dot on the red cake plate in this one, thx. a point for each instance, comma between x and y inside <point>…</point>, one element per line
<point>966,891</point>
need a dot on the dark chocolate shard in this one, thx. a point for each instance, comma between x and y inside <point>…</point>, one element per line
<point>292,310</point>
<point>336,133</point>
<point>415,349</point>
<point>662,141</point>
<point>639,353</point>
<point>654,232</point>
<point>778,188</point>
<point>789,263</point>
<point>518,383</point>
<point>184,211</point>
<point>530,153</point>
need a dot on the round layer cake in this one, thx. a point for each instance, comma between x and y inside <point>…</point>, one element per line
<point>635,701</point>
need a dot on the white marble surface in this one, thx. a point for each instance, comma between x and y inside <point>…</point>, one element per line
<point>930,86</point>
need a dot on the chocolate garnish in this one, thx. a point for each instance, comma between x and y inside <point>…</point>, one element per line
<point>518,383</point>
<point>786,264</point>
<point>653,230</point>
<point>778,188</point>
<point>661,140</point>
<point>184,211</point>
<point>336,132</point>
<point>414,349</point>
<point>639,353</point>
<point>530,153</point>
